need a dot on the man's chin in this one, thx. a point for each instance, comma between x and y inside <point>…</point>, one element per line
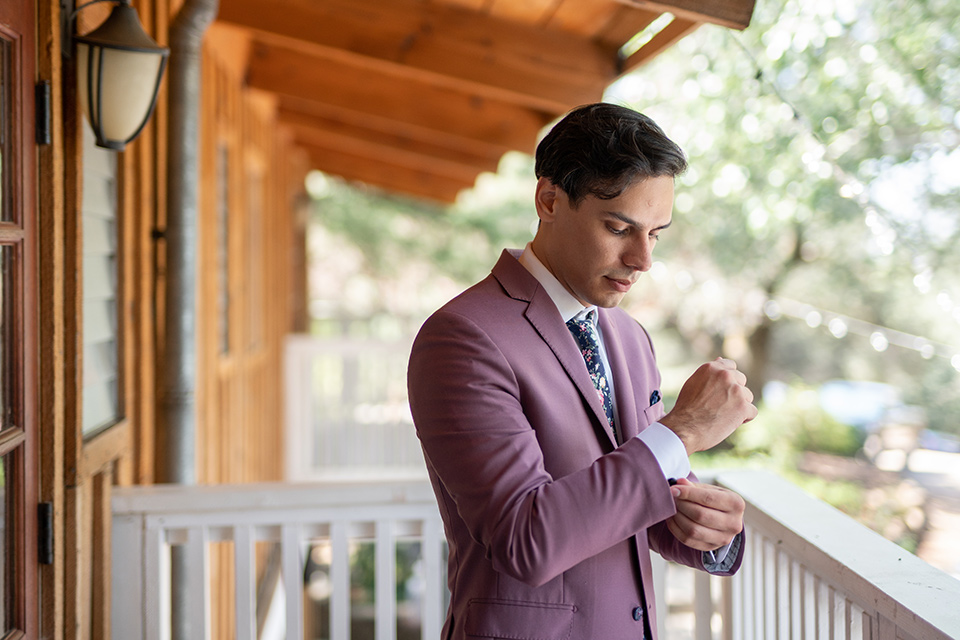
<point>610,301</point>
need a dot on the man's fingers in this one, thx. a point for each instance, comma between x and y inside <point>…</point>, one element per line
<point>741,380</point>
<point>708,496</point>
<point>738,376</point>
<point>707,517</point>
<point>706,514</point>
<point>696,535</point>
<point>712,403</point>
<point>726,363</point>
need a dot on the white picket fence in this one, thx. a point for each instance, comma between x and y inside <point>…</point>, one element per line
<point>810,573</point>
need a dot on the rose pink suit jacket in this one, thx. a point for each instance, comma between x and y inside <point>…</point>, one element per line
<point>549,524</point>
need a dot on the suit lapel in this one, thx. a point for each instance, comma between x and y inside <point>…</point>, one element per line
<point>542,314</point>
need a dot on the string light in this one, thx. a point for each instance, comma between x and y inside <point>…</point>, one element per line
<point>880,337</point>
<point>840,326</point>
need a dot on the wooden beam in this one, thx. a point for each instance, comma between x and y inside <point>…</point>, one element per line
<point>583,17</point>
<point>484,150</point>
<point>625,24</point>
<point>233,45</point>
<point>387,176</point>
<point>734,14</point>
<point>528,11</point>
<point>360,141</point>
<point>374,152</point>
<point>495,58</point>
<point>666,38</point>
<point>289,72</point>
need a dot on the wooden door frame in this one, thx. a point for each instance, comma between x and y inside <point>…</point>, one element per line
<point>51,197</point>
<point>18,26</point>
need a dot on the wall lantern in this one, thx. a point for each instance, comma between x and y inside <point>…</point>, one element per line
<point>119,68</point>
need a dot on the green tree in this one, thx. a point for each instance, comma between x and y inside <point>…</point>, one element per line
<point>406,247</point>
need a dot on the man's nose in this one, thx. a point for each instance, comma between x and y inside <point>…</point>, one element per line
<point>640,255</point>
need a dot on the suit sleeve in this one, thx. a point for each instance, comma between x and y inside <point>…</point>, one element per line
<point>466,404</point>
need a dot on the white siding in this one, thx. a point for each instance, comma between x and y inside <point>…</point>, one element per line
<point>101,405</point>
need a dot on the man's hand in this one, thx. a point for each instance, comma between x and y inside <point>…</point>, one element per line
<point>712,403</point>
<point>708,517</point>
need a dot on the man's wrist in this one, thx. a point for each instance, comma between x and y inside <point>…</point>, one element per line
<point>686,436</point>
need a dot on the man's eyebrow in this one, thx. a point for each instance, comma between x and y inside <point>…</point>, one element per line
<point>633,223</point>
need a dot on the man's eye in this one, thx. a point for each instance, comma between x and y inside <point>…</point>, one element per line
<point>618,232</point>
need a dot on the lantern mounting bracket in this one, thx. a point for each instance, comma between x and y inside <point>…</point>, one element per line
<point>68,18</point>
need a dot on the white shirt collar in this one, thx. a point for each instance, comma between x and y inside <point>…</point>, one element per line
<point>568,306</point>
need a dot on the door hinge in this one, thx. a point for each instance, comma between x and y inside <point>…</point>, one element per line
<point>45,532</point>
<point>42,112</point>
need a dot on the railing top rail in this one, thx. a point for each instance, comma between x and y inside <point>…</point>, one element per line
<point>886,578</point>
<point>279,496</point>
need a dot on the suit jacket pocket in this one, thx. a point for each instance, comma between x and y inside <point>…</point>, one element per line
<point>519,620</point>
<point>653,413</point>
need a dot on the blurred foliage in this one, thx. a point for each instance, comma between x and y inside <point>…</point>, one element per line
<point>796,424</point>
<point>363,564</point>
<point>375,254</point>
<point>796,427</point>
<point>460,241</point>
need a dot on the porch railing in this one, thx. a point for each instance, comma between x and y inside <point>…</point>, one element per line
<point>813,572</point>
<point>148,521</point>
<point>810,571</point>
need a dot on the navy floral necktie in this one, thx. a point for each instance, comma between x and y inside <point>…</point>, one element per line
<point>585,332</point>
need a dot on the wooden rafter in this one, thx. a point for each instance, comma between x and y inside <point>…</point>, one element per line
<point>734,14</point>
<point>289,72</point>
<point>428,42</point>
<point>352,138</point>
<point>421,96</point>
<point>665,38</point>
<point>386,175</point>
<point>387,128</point>
<point>625,24</point>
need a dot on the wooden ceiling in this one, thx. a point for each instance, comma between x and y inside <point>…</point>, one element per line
<point>420,96</point>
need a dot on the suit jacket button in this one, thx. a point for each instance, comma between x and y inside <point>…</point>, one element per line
<point>638,614</point>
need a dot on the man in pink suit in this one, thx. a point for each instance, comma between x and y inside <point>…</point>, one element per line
<point>555,466</point>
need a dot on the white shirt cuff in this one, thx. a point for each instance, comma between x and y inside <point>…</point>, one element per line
<point>668,449</point>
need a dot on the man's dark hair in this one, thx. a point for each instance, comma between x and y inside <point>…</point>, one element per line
<point>601,149</point>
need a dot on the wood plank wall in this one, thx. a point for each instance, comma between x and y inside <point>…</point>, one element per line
<point>240,392</point>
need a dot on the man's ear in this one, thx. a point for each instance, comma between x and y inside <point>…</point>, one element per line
<point>546,199</point>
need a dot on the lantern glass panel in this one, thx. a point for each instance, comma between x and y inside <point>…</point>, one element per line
<point>128,80</point>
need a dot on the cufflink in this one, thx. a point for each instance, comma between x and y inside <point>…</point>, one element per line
<point>654,398</point>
